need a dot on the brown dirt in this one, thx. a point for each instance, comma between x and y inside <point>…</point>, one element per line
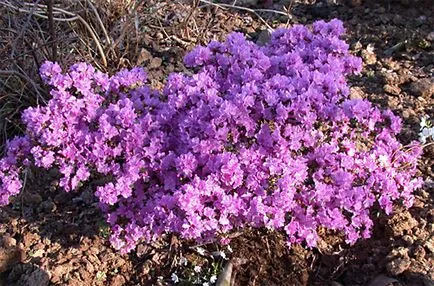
<point>50,237</point>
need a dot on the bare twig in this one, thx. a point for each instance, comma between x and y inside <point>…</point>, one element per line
<point>195,5</point>
<point>52,31</point>
<point>25,77</point>
<point>222,6</point>
<point>104,30</point>
<point>253,11</point>
<point>40,12</point>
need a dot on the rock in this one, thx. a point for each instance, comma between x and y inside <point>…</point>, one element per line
<point>89,267</point>
<point>30,239</point>
<point>144,56</point>
<point>248,2</point>
<point>423,87</point>
<point>264,37</point>
<point>8,241</point>
<point>58,272</point>
<point>27,274</point>
<point>401,222</point>
<point>9,257</point>
<point>392,89</point>
<point>47,206</point>
<point>225,276</point>
<point>32,199</point>
<point>419,253</point>
<point>430,36</point>
<point>369,56</point>
<point>398,265</point>
<point>318,11</point>
<point>429,244</point>
<point>118,280</point>
<point>63,198</point>
<point>354,3</point>
<point>85,275</point>
<point>39,253</point>
<point>382,280</point>
<point>356,93</point>
<point>155,63</point>
<point>408,240</point>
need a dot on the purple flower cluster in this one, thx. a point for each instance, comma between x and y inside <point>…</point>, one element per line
<point>257,136</point>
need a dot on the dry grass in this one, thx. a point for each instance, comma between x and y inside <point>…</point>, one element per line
<point>64,31</point>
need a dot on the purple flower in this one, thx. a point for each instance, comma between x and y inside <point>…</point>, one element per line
<point>254,137</point>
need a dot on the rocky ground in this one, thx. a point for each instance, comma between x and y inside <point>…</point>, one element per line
<point>49,237</point>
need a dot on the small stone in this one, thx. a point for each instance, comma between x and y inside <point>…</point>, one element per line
<point>381,10</point>
<point>155,63</point>
<point>9,258</point>
<point>47,206</point>
<point>32,199</point>
<point>392,89</point>
<point>118,280</point>
<point>401,222</point>
<point>421,19</point>
<point>38,253</point>
<point>354,3</point>
<point>264,37</point>
<point>430,36</point>
<point>28,274</point>
<point>423,87</point>
<point>408,239</point>
<point>58,272</point>
<point>419,253</point>
<point>406,114</point>
<point>369,57</point>
<point>382,280</point>
<point>356,93</point>
<point>319,11</point>
<point>398,266</point>
<point>63,198</point>
<point>38,277</point>
<point>85,275</point>
<point>89,267</point>
<point>159,36</point>
<point>8,241</point>
<point>429,244</point>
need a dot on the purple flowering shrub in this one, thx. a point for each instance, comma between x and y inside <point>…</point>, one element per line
<point>257,136</point>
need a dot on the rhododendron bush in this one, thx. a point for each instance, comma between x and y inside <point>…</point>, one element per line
<point>255,137</point>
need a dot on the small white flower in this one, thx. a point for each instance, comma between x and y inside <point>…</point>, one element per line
<point>213,279</point>
<point>197,269</point>
<point>220,253</point>
<point>422,139</point>
<point>383,159</point>
<point>205,284</point>
<point>423,122</point>
<point>370,48</point>
<point>230,249</point>
<point>175,278</point>
<point>426,132</point>
<point>200,250</point>
<point>183,260</point>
